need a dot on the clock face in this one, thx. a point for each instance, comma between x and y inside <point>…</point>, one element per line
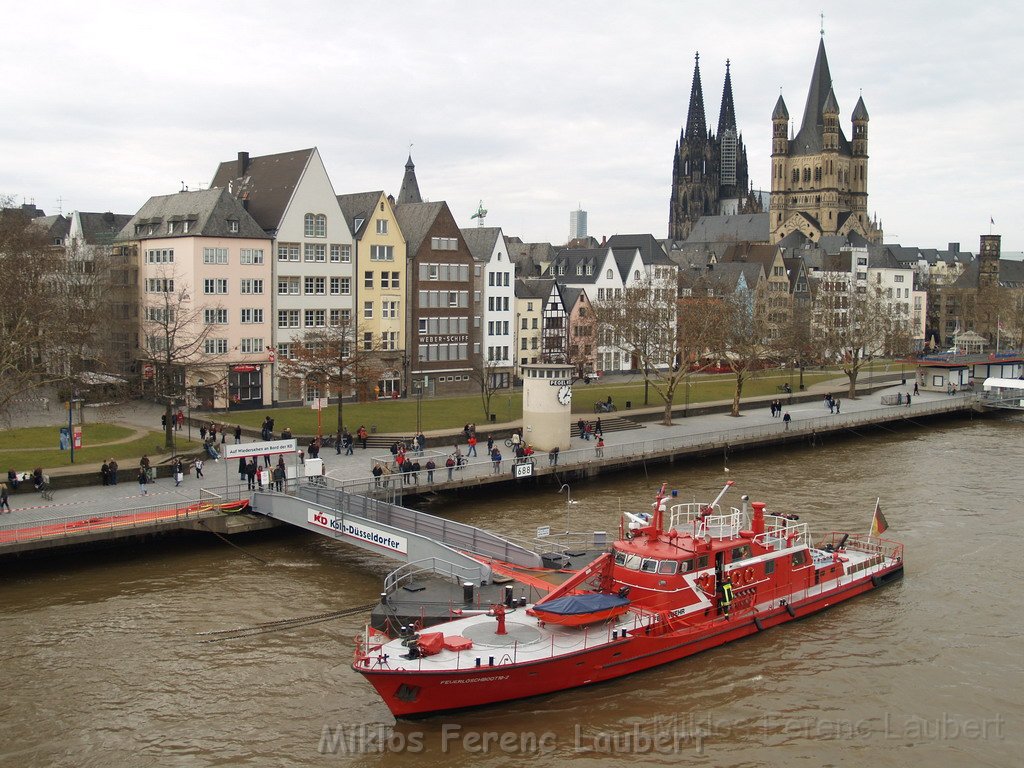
<point>565,395</point>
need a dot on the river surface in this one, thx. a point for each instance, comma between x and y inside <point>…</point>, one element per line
<point>101,663</point>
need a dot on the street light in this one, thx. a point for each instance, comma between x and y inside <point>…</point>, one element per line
<point>195,393</point>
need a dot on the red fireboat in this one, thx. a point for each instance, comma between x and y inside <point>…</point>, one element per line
<point>662,593</point>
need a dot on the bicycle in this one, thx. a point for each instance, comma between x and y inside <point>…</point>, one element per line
<point>46,490</point>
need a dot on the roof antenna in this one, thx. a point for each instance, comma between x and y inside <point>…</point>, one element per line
<point>822,24</point>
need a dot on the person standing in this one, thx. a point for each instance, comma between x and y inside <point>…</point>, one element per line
<point>202,433</point>
<point>338,440</point>
<point>837,406</point>
<point>599,448</point>
<point>908,399</point>
<point>4,503</point>
<point>347,439</point>
<point>361,432</point>
<point>113,471</point>
<point>431,466</point>
<point>12,478</point>
<point>145,466</point>
<point>105,473</point>
<point>916,390</point>
<point>553,457</point>
<point>242,470</point>
<point>496,459</point>
<point>143,481</point>
<point>250,474</point>
<point>786,419</point>
<point>279,477</point>
<point>598,430</point>
<point>472,444</point>
<point>179,472</point>
<point>238,434</point>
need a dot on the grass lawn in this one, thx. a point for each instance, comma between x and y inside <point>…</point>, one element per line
<point>93,452</point>
<point>399,416</point>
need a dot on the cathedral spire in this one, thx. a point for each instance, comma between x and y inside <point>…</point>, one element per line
<point>696,124</point>
<point>410,191</point>
<point>727,115</point>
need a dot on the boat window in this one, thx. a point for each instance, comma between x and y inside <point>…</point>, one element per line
<point>620,558</point>
<point>769,567</point>
<point>799,557</point>
<point>740,553</point>
<point>686,566</point>
<point>632,562</point>
<point>667,566</point>
<point>649,566</point>
<point>702,561</point>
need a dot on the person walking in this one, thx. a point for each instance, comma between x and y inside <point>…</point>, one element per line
<point>916,390</point>
<point>837,406</point>
<point>471,440</point>
<point>908,399</point>
<point>198,466</point>
<point>346,438</point>
<point>4,503</point>
<point>179,472</point>
<point>145,466</point>
<point>496,459</point>
<point>238,434</point>
<point>143,481</point>
<point>786,419</point>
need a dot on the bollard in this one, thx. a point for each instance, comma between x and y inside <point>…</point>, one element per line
<point>383,598</point>
<point>467,592</point>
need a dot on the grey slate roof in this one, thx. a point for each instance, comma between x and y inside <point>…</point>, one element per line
<point>102,228</point>
<point>569,258</point>
<point>726,277</point>
<point>533,288</point>
<point>752,227</point>
<point>531,259</point>
<point>266,182</point>
<point>808,140</point>
<point>55,226</point>
<point>651,250</point>
<point>209,210</point>
<point>481,241</point>
<point>860,112</point>
<point>359,205</point>
<point>780,112</point>
<point>1011,274</point>
<point>415,219</point>
<point>410,191</point>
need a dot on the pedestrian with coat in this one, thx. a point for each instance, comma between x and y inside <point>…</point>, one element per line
<point>4,503</point>
<point>113,471</point>
<point>179,472</point>
<point>143,482</point>
<point>786,419</point>
<point>430,466</point>
<point>105,473</point>
<point>238,434</point>
<point>198,466</point>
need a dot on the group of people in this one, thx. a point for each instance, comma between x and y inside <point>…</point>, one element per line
<point>108,472</point>
<point>257,477</point>
<point>775,406</point>
<point>831,403</point>
<point>14,480</point>
<point>590,430</point>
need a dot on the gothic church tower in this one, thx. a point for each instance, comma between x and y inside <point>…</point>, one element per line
<point>819,178</point>
<point>709,171</point>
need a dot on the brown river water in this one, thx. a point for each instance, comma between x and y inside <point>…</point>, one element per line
<point>101,663</point>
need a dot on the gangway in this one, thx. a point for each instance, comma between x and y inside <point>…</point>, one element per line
<point>422,541</point>
<point>1003,393</point>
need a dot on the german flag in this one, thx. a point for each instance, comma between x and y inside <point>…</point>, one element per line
<point>878,522</point>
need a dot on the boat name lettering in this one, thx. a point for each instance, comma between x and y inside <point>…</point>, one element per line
<point>491,679</point>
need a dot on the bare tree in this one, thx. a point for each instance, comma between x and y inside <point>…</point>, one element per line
<point>854,323</point>
<point>796,343</point>
<point>666,339</point>
<point>33,316</point>
<point>745,338</point>
<point>339,357</point>
<point>174,335</point>
<point>484,375</point>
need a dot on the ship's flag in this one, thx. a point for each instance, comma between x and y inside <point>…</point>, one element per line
<point>878,522</point>
<point>991,221</point>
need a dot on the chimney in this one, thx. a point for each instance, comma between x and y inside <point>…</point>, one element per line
<point>243,164</point>
<point>954,248</point>
<point>245,200</point>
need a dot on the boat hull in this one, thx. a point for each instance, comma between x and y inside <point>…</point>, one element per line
<point>413,693</point>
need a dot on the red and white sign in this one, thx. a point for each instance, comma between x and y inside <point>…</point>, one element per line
<point>148,370</point>
<point>243,368</point>
<point>271,357</point>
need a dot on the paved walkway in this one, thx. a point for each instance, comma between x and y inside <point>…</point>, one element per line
<point>222,477</point>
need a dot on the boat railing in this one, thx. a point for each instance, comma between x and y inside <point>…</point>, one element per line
<point>435,566</point>
<point>781,532</point>
<point>570,541</point>
<point>702,520</point>
<point>869,545</point>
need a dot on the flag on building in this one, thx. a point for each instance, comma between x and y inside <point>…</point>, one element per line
<point>878,522</point>
<point>991,221</point>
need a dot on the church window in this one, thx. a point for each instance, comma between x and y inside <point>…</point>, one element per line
<point>796,175</point>
<point>807,173</point>
<point>817,173</point>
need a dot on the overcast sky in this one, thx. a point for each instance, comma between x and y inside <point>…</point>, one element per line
<point>534,108</point>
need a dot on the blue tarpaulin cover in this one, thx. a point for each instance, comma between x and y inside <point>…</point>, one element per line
<point>577,604</point>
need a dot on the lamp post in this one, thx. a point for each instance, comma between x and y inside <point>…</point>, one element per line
<point>418,388</point>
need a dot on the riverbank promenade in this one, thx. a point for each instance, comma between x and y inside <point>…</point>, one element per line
<point>712,431</point>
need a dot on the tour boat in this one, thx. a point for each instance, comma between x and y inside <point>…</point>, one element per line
<point>663,592</point>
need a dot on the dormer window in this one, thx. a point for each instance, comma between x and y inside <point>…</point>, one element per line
<point>589,270</point>
<point>359,222</point>
<point>186,226</point>
<point>233,225</point>
<point>170,227</point>
<point>579,269</point>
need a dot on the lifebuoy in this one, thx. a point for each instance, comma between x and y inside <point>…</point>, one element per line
<point>748,575</point>
<point>736,577</point>
<point>704,582</point>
